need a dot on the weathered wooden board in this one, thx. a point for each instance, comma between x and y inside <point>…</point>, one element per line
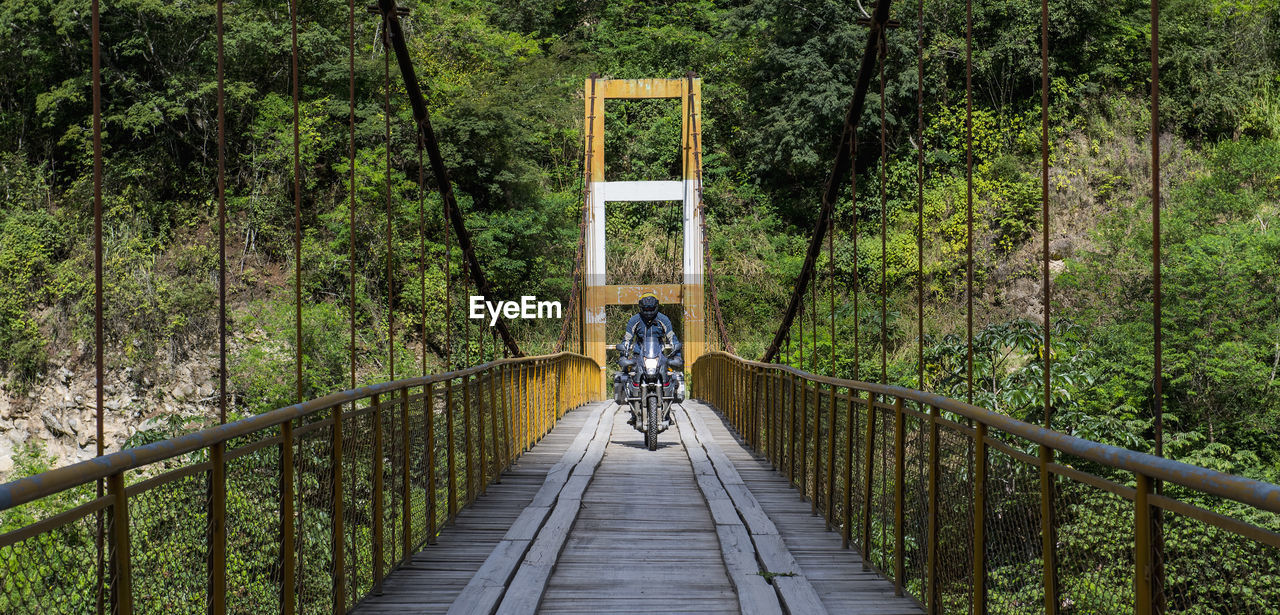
<point>644,540</point>
<point>590,521</point>
<point>433,578</point>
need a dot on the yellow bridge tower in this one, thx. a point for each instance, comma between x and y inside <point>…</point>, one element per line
<point>689,292</point>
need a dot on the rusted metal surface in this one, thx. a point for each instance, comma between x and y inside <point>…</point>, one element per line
<point>843,161</point>
<point>95,34</point>
<point>217,537</point>
<point>1048,535</point>
<point>968,175</point>
<point>884,225</point>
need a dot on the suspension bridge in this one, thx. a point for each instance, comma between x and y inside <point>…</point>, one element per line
<point>512,486</point>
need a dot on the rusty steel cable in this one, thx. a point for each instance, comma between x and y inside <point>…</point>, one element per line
<point>884,217</point>
<point>222,226</point>
<point>1157,398</point>
<point>1157,580</point>
<point>701,214</point>
<point>813,325</point>
<point>831,277</point>
<point>857,271</point>
<point>422,254</point>
<point>98,367</point>
<point>288,569</point>
<point>574,306</point>
<point>1048,533</point>
<point>800,338</point>
<point>834,181</point>
<point>466,322</point>
<point>448,289</point>
<point>217,487</point>
<point>338,534</point>
<point>386,117</point>
<point>297,202</point>
<point>968,242</point>
<point>920,197</point>
<point>930,539</point>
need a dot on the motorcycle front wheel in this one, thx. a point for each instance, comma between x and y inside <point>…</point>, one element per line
<point>651,422</point>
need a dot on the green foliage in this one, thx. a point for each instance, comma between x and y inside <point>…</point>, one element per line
<point>502,80</point>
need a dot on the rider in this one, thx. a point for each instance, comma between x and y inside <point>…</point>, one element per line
<point>630,345</point>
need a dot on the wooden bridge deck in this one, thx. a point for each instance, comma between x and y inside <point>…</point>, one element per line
<point>589,521</point>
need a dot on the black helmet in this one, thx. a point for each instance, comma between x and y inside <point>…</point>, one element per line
<point>648,307</point>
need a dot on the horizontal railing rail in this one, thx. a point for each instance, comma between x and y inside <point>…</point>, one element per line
<point>948,500</point>
<point>377,470</point>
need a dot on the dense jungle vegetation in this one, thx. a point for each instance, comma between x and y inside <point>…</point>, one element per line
<point>504,82</point>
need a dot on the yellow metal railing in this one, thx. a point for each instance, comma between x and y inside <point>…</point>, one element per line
<point>304,509</point>
<point>969,511</point>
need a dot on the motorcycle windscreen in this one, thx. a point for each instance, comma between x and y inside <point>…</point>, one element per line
<point>651,347</point>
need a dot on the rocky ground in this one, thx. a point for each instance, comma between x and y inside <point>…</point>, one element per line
<point>59,410</point>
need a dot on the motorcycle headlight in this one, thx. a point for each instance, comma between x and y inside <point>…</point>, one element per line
<point>651,363</point>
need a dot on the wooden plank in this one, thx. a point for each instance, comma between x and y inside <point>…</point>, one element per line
<point>526,525</point>
<point>431,580</point>
<point>524,593</point>
<point>833,572</point>
<point>757,521</point>
<point>644,541</point>
<point>479,597</point>
<point>754,594</point>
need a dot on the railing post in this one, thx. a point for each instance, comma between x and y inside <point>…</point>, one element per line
<point>980,519</point>
<point>1048,534</point>
<point>535,399</point>
<point>869,465</point>
<point>493,426</point>
<point>766,414</point>
<point>791,433</point>
<point>804,443</point>
<point>122,572</point>
<point>522,391</point>
<point>899,475</point>
<point>530,405</point>
<point>483,466</point>
<point>451,462</point>
<point>775,421</point>
<point>507,429</point>
<point>429,409</point>
<point>406,502</point>
<point>218,531</point>
<point>337,539</point>
<point>931,600</point>
<point>378,505</point>
<point>469,458</point>
<point>846,534</point>
<point>831,457</point>
<point>287,561</point>
<point>1142,560</point>
<point>756,376</point>
<point>544,409</point>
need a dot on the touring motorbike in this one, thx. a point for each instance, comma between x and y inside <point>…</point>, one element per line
<point>648,385</point>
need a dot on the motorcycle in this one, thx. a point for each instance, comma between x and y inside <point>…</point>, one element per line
<point>648,385</point>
